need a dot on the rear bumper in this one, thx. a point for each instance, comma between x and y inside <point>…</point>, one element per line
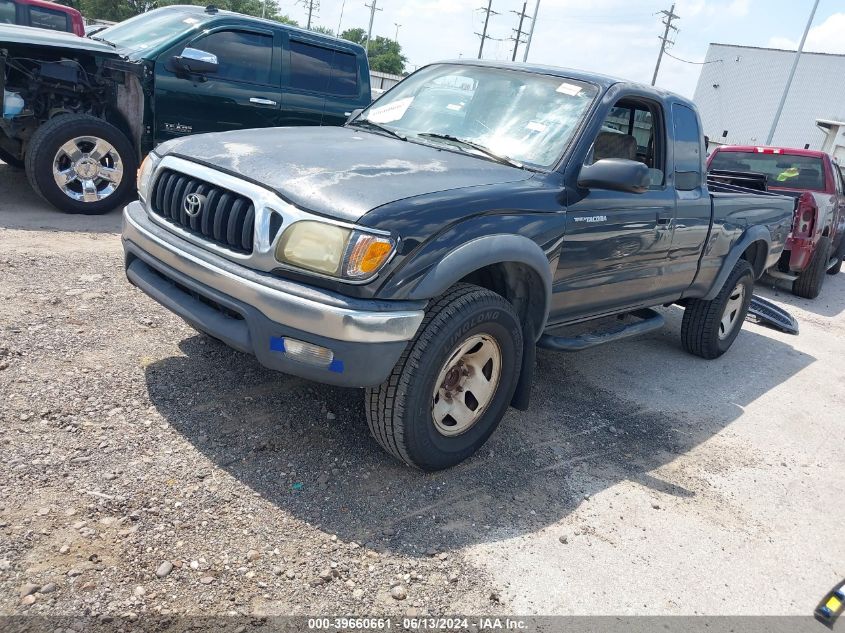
<point>800,251</point>
<point>252,312</point>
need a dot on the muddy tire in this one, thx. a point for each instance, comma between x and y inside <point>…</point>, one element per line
<point>810,281</point>
<point>81,164</point>
<point>709,328</point>
<point>453,383</point>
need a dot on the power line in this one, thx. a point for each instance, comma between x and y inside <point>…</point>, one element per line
<point>686,61</point>
<point>518,39</point>
<point>488,12</point>
<point>668,17</point>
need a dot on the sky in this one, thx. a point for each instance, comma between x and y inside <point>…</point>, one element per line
<point>615,37</point>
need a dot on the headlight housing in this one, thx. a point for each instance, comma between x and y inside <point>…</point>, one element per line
<point>334,250</point>
<point>145,173</point>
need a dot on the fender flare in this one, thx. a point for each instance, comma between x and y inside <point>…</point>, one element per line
<point>486,251</point>
<point>757,233</point>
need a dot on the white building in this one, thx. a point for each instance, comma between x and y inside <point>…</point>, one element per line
<point>740,87</point>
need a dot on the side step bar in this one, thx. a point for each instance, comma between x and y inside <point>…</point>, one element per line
<point>650,321</point>
<point>769,314</point>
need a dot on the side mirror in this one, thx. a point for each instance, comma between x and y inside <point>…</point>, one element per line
<point>193,60</point>
<point>615,174</point>
<point>350,116</point>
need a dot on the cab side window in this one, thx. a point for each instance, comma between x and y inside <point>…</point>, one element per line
<point>44,18</point>
<point>242,56</point>
<point>325,70</point>
<point>689,161</point>
<point>633,130</point>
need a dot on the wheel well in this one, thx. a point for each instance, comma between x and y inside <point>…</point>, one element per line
<point>755,255</point>
<point>520,285</point>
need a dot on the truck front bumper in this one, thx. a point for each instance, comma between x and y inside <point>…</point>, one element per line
<point>268,317</point>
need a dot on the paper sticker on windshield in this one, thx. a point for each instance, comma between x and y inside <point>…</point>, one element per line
<point>390,112</point>
<point>569,89</point>
<point>536,127</point>
<point>455,106</point>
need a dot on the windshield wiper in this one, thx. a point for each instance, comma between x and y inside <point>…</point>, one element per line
<point>484,150</point>
<point>380,127</point>
<point>101,39</point>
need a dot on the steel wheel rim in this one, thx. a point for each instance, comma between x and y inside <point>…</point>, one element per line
<point>87,169</point>
<point>730,316</point>
<point>466,385</point>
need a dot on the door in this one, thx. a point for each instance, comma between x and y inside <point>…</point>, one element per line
<point>244,91</point>
<point>617,244</point>
<point>310,70</point>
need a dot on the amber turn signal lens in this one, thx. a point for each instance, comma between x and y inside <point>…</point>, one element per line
<point>368,255</point>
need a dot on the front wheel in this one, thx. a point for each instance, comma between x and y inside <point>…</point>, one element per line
<point>81,164</point>
<point>454,382</point>
<point>709,328</point>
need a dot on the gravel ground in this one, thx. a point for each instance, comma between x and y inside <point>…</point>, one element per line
<point>150,470</point>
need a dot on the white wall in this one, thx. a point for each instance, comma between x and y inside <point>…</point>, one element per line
<point>750,83</point>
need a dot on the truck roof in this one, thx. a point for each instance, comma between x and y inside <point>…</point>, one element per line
<point>764,149</point>
<point>200,10</point>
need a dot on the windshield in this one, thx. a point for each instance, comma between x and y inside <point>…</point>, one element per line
<point>783,170</point>
<point>149,30</point>
<point>521,116</point>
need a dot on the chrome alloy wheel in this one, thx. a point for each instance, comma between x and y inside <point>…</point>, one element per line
<point>731,315</point>
<point>87,169</point>
<point>466,385</point>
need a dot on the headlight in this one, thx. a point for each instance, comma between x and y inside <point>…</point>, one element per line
<point>145,172</point>
<point>333,250</point>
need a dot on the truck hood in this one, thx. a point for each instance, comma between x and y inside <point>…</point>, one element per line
<point>339,172</point>
<point>14,34</point>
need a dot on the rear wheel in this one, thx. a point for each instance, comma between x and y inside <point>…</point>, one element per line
<point>454,382</point>
<point>810,281</point>
<point>81,164</point>
<point>709,328</point>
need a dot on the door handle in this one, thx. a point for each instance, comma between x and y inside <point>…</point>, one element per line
<point>664,219</point>
<point>261,101</point>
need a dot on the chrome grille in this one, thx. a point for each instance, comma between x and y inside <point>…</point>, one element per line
<point>226,218</point>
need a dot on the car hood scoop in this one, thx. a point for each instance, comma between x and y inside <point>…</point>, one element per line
<point>340,172</point>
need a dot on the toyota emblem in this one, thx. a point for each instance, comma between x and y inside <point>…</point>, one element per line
<point>193,204</point>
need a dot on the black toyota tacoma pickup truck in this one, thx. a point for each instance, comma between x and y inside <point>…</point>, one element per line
<point>424,250</point>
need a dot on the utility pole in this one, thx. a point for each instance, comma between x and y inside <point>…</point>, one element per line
<point>668,17</point>
<point>264,9</point>
<point>311,6</point>
<point>488,12</point>
<point>791,74</point>
<point>372,7</point>
<point>396,37</point>
<point>531,31</point>
<point>518,39</point>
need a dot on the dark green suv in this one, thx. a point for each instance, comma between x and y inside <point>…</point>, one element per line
<point>79,114</point>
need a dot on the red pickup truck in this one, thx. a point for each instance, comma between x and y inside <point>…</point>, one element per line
<point>43,15</point>
<point>816,244</point>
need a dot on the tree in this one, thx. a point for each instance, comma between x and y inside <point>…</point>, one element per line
<point>355,35</point>
<point>385,54</point>
<point>322,29</point>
